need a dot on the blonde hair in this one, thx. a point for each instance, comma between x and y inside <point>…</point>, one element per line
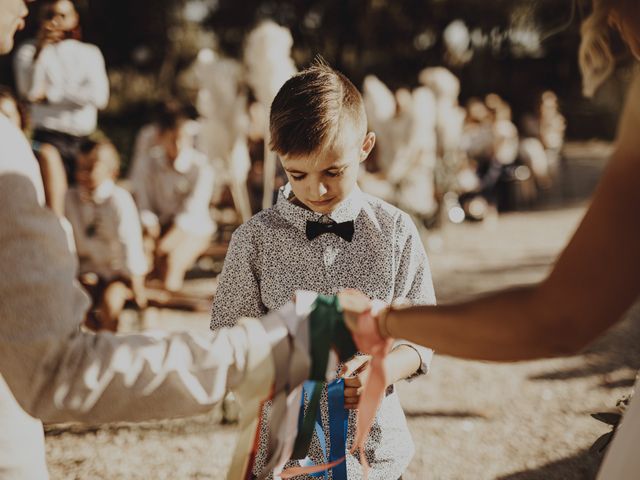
<point>595,57</point>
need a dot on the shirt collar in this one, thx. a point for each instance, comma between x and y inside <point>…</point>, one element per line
<point>345,211</point>
<point>103,192</point>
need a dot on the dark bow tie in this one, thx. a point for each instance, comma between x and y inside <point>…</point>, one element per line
<point>344,229</point>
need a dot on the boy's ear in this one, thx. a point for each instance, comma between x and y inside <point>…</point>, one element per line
<point>367,146</point>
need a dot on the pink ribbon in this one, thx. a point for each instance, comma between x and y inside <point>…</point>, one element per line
<point>368,340</point>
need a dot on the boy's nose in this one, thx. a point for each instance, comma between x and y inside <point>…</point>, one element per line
<point>322,190</point>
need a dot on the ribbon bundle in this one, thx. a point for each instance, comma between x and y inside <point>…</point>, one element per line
<point>291,426</point>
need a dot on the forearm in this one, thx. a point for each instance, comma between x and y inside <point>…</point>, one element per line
<point>106,378</point>
<point>507,326</point>
<point>401,363</point>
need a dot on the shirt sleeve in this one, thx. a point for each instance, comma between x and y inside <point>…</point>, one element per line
<point>194,217</point>
<point>24,70</point>
<point>413,282</point>
<point>238,293</point>
<point>92,90</point>
<point>58,373</point>
<point>130,234</point>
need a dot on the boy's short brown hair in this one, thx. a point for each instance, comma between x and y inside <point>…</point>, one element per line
<point>311,108</point>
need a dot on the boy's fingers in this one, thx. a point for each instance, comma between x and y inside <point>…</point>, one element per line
<point>350,392</point>
<point>352,382</point>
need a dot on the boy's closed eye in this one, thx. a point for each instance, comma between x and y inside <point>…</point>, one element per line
<point>335,173</point>
<point>332,173</point>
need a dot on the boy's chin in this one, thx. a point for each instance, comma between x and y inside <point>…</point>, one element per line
<point>322,208</point>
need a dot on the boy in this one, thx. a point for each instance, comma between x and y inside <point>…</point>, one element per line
<point>107,233</point>
<point>173,188</point>
<point>325,235</point>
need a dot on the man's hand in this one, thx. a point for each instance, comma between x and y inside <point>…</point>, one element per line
<point>363,317</point>
<point>355,373</point>
<point>353,304</point>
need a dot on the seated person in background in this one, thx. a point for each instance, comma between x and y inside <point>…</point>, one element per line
<point>107,233</point>
<point>10,108</point>
<point>65,82</point>
<point>173,189</point>
<point>148,135</point>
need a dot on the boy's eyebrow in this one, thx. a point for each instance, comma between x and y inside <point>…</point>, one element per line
<point>335,167</point>
<point>332,167</point>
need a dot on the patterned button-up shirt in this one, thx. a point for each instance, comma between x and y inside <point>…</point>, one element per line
<point>270,257</point>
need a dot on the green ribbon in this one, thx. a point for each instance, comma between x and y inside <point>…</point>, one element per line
<point>326,329</point>
<point>305,432</point>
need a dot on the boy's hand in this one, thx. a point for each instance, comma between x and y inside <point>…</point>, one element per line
<point>355,373</point>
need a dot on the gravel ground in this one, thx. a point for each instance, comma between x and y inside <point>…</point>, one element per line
<point>470,420</point>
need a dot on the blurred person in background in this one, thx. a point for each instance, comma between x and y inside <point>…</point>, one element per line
<point>173,189</point>
<point>65,83</point>
<point>107,234</point>
<point>543,131</point>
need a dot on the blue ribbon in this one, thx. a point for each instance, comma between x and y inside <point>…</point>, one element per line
<point>338,425</point>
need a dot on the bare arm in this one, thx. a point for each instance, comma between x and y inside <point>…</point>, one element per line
<point>595,280</point>
<point>401,363</point>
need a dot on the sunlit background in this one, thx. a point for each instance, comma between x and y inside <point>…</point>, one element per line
<point>469,420</point>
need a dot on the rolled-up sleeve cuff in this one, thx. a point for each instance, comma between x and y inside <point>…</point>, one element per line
<point>425,354</point>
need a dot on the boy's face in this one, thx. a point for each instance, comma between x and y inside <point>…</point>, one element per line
<point>175,140</point>
<point>321,181</point>
<point>94,168</point>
